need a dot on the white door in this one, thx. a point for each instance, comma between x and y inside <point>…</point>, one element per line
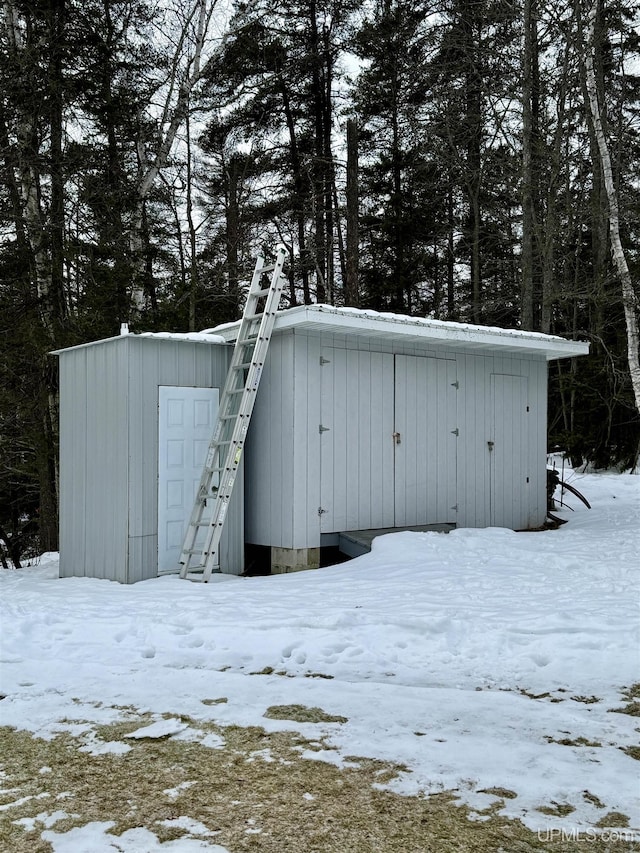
<point>356,441</point>
<point>186,420</point>
<point>426,440</point>
<point>508,449</point>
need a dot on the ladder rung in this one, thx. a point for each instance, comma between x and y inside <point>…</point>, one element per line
<point>246,341</point>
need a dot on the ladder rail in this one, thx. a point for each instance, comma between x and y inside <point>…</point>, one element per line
<point>225,448</point>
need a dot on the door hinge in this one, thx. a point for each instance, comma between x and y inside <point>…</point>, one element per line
<point>527,408</point>
<point>455,431</point>
<point>322,429</point>
<point>456,384</point>
<point>321,511</point>
<point>455,507</point>
<point>324,361</point>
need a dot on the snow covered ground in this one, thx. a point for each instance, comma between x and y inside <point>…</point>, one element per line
<point>479,659</point>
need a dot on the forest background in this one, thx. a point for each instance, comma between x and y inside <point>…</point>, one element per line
<point>456,159</point>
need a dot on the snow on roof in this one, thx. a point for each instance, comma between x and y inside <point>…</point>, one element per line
<point>192,337</point>
<point>198,337</point>
<point>355,321</point>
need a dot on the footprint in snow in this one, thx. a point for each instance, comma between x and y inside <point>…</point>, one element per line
<point>193,643</point>
<point>541,660</point>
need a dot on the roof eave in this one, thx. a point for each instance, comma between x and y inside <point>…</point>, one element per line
<point>458,336</point>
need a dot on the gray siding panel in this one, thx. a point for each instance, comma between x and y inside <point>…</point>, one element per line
<point>93,464</point>
<point>305,450</point>
<point>156,362</point>
<point>293,470</point>
<point>269,500</point>
<point>109,453</point>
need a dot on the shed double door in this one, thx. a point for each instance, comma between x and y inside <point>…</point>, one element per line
<point>388,444</point>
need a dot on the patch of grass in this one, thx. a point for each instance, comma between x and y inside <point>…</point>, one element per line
<point>586,700</point>
<point>613,819</point>
<point>546,695</point>
<point>632,692</point>
<point>579,741</point>
<point>299,805</point>
<point>557,809</point>
<point>632,697</point>
<point>632,751</point>
<point>595,801</point>
<point>302,714</point>
<point>221,701</point>
<point>503,793</point>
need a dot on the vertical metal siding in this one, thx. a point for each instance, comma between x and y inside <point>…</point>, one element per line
<point>353,396</point>
<point>509,457</point>
<point>305,450</point>
<point>538,442</point>
<point>473,423</point>
<point>109,453</point>
<point>93,464</point>
<point>269,468</point>
<point>73,450</point>
<point>156,362</point>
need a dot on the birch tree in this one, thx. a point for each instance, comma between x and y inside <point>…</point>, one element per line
<point>190,57</point>
<point>629,296</point>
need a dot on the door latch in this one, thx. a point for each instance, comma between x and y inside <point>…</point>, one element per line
<point>397,438</point>
<point>490,445</point>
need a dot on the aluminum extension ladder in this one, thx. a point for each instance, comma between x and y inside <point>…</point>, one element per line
<point>234,415</point>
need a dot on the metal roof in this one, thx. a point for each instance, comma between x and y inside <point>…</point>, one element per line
<point>419,330</point>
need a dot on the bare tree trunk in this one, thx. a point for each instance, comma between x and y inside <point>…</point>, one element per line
<point>629,298</point>
<point>529,58</point>
<point>351,281</point>
<point>451,256</point>
<point>232,215</point>
<point>300,191</point>
<point>56,16</point>
<point>193,266</point>
<point>550,223</point>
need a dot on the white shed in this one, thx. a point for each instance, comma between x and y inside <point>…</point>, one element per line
<point>367,421</point>
<point>136,416</point>
<point>362,422</point>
